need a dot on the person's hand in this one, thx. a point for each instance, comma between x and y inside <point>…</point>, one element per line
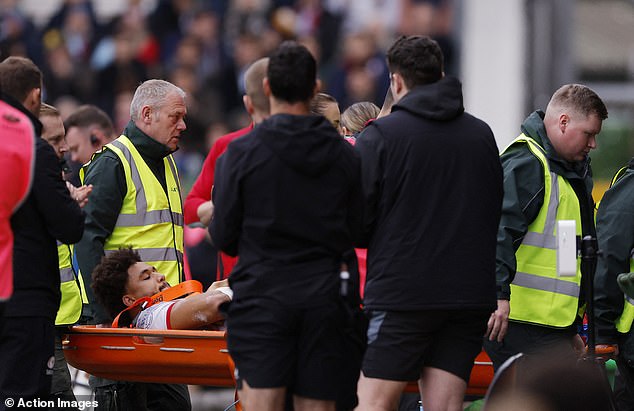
<point>626,283</point>
<point>205,212</point>
<point>579,346</point>
<point>217,284</point>
<point>498,322</point>
<point>79,194</point>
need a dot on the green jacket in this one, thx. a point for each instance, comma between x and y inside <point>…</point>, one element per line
<point>615,234</point>
<point>524,196</point>
<point>105,172</point>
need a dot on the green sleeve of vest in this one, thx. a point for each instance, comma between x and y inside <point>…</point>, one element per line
<point>523,198</point>
<point>615,235</point>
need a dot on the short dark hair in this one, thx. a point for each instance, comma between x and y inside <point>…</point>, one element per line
<point>580,98</point>
<point>292,73</point>
<point>89,115</point>
<point>110,276</point>
<point>18,76</point>
<point>418,59</point>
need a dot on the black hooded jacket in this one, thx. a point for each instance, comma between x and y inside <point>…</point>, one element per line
<point>432,180</point>
<point>288,201</point>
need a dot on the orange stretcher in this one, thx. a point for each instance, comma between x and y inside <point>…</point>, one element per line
<point>182,356</point>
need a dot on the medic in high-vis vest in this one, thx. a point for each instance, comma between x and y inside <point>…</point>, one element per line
<point>17,155</point>
<point>547,178</point>
<point>136,198</point>
<point>71,283</point>
<point>614,310</point>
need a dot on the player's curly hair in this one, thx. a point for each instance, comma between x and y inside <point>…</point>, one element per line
<point>110,276</point>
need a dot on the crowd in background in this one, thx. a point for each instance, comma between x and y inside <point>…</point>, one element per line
<point>204,47</point>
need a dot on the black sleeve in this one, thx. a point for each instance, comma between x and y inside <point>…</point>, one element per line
<point>226,224</point>
<point>615,236</point>
<point>63,218</point>
<point>370,146</point>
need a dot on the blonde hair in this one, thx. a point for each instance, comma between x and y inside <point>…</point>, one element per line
<point>48,110</point>
<point>355,117</point>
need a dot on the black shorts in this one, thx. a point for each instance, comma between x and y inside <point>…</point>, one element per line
<point>277,345</point>
<point>401,344</point>
<point>26,357</point>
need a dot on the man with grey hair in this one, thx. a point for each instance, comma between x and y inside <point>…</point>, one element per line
<point>139,160</point>
<point>136,202</point>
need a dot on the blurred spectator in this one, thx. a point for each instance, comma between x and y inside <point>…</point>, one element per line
<point>124,73</point>
<point>362,73</point>
<point>92,58</point>
<point>63,74</point>
<point>378,17</point>
<point>121,110</point>
<point>198,113</point>
<point>167,23</point>
<point>76,23</point>
<point>18,36</point>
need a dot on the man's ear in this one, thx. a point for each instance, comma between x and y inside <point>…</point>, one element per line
<point>128,300</point>
<point>33,99</point>
<point>564,120</point>
<point>248,104</point>
<point>317,87</point>
<point>398,83</point>
<point>266,87</point>
<point>146,114</point>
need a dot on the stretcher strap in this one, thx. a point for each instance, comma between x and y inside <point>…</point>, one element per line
<point>179,290</point>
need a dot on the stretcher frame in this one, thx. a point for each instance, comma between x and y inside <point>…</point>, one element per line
<point>196,357</point>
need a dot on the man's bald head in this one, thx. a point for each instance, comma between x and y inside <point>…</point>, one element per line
<point>253,78</point>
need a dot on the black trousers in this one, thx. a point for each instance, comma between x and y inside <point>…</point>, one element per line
<point>531,340</point>
<point>26,358</point>
<point>624,386</point>
<point>138,396</point>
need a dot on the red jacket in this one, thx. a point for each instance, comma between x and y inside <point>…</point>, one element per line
<point>17,155</point>
<point>201,192</point>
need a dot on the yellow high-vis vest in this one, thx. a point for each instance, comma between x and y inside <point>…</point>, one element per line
<point>149,221</point>
<point>624,322</point>
<point>538,294</point>
<point>70,305</point>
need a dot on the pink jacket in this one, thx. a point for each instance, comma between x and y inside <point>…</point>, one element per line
<point>17,157</point>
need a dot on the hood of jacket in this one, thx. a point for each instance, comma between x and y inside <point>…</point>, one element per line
<point>308,144</point>
<point>533,127</point>
<point>440,101</point>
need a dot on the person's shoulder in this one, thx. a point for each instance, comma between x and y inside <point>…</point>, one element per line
<point>477,122</point>
<point>101,161</point>
<point>155,316</point>
<point>519,159</point>
<point>621,194</point>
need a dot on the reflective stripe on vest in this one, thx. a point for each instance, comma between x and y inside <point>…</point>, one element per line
<point>538,294</point>
<point>624,322</point>
<point>71,302</point>
<point>149,221</point>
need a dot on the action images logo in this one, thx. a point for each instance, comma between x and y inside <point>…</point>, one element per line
<point>57,403</point>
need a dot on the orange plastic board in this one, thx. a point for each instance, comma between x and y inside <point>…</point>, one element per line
<point>182,356</point>
<point>165,356</point>
<point>481,377</point>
